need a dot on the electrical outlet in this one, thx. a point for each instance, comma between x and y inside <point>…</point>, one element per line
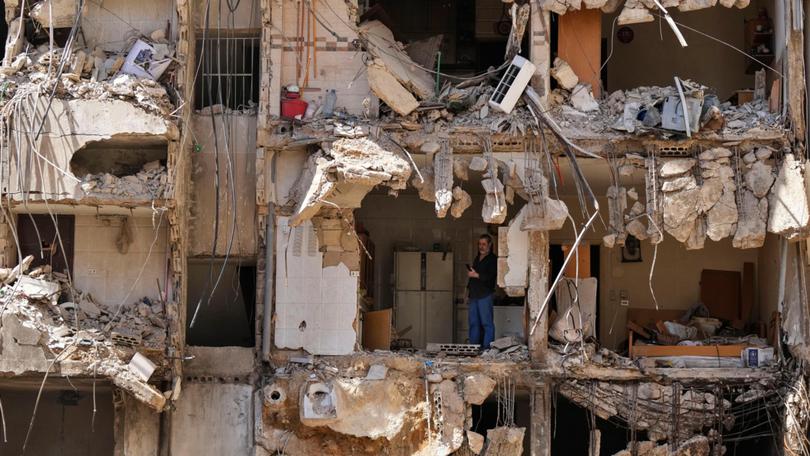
<point>624,303</point>
<point>354,273</point>
<point>92,271</point>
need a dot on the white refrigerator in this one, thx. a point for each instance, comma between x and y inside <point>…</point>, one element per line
<point>424,297</point>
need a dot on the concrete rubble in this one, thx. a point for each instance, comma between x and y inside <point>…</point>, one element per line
<point>343,173</point>
<point>147,184</point>
<point>43,330</point>
<point>718,194</point>
<point>635,11</point>
<point>639,111</point>
<point>381,412</point>
<point>96,76</point>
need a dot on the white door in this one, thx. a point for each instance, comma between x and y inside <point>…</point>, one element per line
<point>410,313</point>
<point>439,317</point>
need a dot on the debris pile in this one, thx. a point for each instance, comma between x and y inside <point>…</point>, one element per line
<point>653,110</point>
<point>90,74</point>
<point>718,194</point>
<point>46,323</point>
<point>148,184</point>
<point>636,11</point>
<point>507,349</point>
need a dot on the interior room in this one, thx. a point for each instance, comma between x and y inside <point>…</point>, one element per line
<point>639,284</point>
<point>470,34</point>
<point>611,56</point>
<point>649,53</point>
<point>419,264</point>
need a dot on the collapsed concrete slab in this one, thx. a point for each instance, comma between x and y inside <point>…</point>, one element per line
<point>393,75</point>
<point>341,175</point>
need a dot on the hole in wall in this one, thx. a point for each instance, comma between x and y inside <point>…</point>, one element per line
<point>117,157</point>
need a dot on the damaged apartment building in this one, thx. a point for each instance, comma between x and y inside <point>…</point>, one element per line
<point>241,227</point>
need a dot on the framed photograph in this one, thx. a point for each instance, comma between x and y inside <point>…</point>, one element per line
<point>631,252</point>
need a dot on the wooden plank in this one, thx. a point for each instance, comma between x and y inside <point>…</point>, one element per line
<point>722,351</point>
<point>638,329</point>
<point>377,330</point>
<point>580,44</point>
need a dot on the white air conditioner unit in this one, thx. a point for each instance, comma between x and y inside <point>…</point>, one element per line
<point>512,83</point>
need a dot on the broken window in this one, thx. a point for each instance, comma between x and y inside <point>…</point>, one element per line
<point>229,71</point>
<point>221,303</point>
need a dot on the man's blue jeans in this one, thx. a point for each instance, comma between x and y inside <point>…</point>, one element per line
<point>481,321</point>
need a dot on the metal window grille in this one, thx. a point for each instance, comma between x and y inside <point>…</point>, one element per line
<point>229,71</point>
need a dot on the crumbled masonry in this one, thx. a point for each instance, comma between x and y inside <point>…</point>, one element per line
<point>40,331</point>
<point>319,175</point>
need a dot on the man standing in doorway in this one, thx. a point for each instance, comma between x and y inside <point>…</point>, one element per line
<point>481,287</point>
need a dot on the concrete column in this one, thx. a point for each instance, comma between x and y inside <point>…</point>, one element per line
<point>538,288</point>
<point>541,420</point>
<point>540,49</point>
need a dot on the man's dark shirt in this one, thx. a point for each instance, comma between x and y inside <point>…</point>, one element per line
<point>487,270</point>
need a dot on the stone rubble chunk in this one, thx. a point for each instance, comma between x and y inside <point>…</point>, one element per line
<point>477,388</point>
<point>676,167</point>
<point>722,217</point>
<point>637,230</point>
<point>760,179</point>
<point>715,153</point>
<point>698,236</point>
<point>461,168</point>
<point>494,208</point>
<point>789,215</point>
<point>753,222</point>
<point>630,16</point>
<point>749,158</point>
<point>692,5</point>
<point>478,163</point>
<point>679,183</point>
<point>564,74</point>
<point>637,208</point>
<point>505,441</point>
<point>554,217</point>
<point>582,99</point>
<point>763,153</point>
<point>461,201</point>
<point>680,211</point>
<point>476,441</point>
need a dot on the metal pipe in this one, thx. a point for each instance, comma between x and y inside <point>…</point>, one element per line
<point>269,272</point>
